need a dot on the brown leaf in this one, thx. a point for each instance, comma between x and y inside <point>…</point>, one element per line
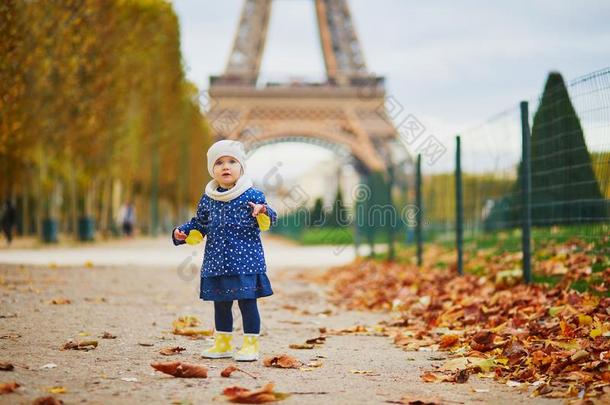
<point>429,377</point>
<point>83,345</point>
<point>484,337</point>
<point>418,400</point>
<point>301,346</point>
<point>108,335</point>
<point>170,351</point>
<point>282,361</point>
<point>6,366</point>
<point>234,391</point>
<point>365,372</point>
<point>262,395</point>
<point>227,371</point>
<point>10,336</point>
<point>49,400</point>
<point>60,301</point>
<point>317,340</point>
<point>514,351</point>
<point>448,341</point>
<point>230,369</point>
<point>7,388</point>
<point>182,370</point>
<point>461,376</point>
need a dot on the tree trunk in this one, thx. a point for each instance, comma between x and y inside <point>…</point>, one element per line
<point>105,207</point>
<point>73,203</point>
<point>38,207</point>
<point>89,198</point>
<point>116,200</point>
<point>25,212</point>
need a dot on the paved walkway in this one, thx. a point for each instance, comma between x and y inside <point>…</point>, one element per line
<point>135,289</point>
<point>161,252</point>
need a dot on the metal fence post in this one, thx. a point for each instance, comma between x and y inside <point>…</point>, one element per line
<point>459,207</point>
<point>526,189</point>
<point>419,215</point>
<point>390,186</point>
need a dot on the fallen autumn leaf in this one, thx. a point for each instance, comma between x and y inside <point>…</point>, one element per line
<point>245,396</point>
<point>181,370</point>
<point>282,361</point>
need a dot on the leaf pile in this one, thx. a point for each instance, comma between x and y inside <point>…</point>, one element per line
<point>555,339</point>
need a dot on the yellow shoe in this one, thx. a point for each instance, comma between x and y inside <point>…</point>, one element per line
<point>249,350</point>
<point>222,346</point>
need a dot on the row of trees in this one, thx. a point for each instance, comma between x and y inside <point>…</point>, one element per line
<point>95,110</point>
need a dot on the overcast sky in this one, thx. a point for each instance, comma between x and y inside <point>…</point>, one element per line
<point>452,64</point>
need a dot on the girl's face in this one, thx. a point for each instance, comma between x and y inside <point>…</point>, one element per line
<point>226,171</point>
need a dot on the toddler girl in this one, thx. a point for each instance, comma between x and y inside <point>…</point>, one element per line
<point>231,213</point>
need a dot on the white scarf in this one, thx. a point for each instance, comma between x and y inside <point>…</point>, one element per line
<point>243,183</point>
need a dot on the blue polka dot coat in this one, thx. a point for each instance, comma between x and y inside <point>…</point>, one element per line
<point>234,261</point>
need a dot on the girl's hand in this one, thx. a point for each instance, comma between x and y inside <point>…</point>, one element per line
<point>257,208</point>
<point>178,234</point>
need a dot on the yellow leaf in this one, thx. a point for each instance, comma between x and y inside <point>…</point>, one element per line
<point>502,360</point>
<point>597,330</point>
<point>584,320</point>
<point>193,332</point>
<point>194,237</point>
<point>458,363</point>
<point>186,321</point>
<point>57,390</point>
<point>499,328</point>
<point>569,345</point>
<point>264,222</point>
<point>591,302</point>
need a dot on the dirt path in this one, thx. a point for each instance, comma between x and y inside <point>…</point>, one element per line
<point>138,305</point>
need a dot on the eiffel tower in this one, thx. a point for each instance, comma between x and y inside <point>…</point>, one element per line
<point>346,112</point>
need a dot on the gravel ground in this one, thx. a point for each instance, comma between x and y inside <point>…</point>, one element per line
<point>138,303</point>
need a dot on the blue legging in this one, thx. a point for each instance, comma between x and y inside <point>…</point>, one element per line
<point>223,316</point>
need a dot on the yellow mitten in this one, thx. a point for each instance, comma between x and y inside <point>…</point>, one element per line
<point>194,237</point>
<point>264,222</point>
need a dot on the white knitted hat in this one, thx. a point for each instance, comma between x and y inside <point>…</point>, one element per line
<point>226,148</point>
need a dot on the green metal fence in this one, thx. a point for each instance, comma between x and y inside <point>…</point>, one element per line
<point>534,174</point>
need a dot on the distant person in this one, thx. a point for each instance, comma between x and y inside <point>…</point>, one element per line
<point>127,217</point>
<point>9,218</point>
